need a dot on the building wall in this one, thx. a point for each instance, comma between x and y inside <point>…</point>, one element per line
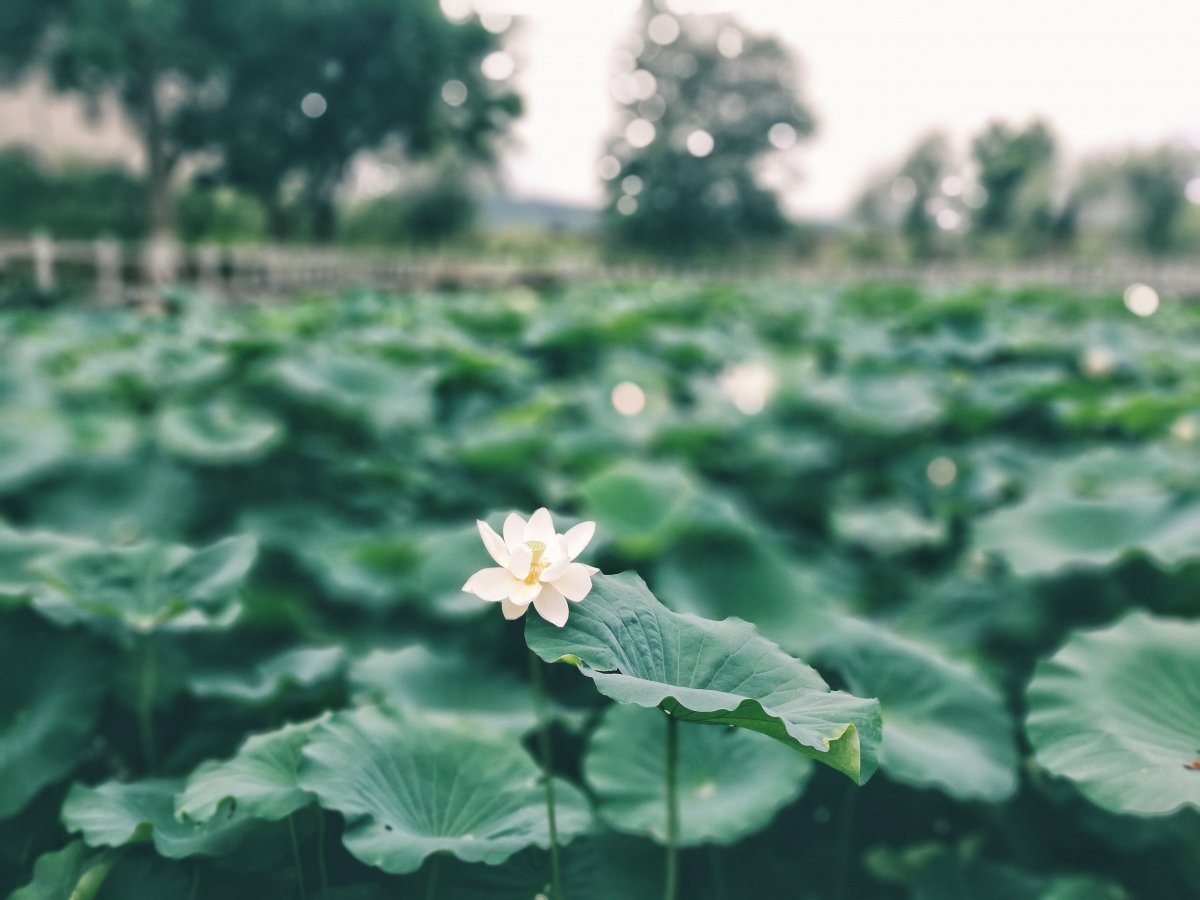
<point>64,127</point>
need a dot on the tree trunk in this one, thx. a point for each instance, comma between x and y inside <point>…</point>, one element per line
<point>158,164</point>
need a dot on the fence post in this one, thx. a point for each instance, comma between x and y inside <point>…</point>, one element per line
<point>108,271</point>
<point>208,268</point>
<point>43,263</point>
<point>161,261</point>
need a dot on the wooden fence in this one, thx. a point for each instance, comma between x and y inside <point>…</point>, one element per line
<point>109,272</point>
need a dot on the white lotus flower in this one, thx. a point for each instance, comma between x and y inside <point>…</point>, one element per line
<point>536,565</point>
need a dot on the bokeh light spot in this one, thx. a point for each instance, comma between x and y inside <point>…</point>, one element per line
<point>1141,300</point>
<point>941,471</point>
<point>608,168</point>
<point>627,398</point>
<point>730,43</point>
<point>663,29</point>
<point>313,105</point>
<point>640,133</point>
<point>700,143</point>
<point>498,66</point>
<point>454,92</point>
<point>782,136</point>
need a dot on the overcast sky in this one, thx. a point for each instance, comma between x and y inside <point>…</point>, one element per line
<point>879,74</point>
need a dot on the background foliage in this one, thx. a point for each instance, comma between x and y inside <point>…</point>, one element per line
<point>978,507</point>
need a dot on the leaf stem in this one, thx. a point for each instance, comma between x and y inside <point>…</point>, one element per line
<point>147,688</point>
<point>291,820</point>
<point>435,866</point>
<point>672,878</point>
<point>845,846</point>
<point>321,867</point>
<point>543,729</point>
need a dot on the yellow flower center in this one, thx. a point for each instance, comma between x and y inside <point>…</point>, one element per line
<point>538,566</point>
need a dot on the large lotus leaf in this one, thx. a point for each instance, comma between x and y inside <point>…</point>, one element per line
<point>219,432</point>
<point>409,788</point>
<point>362,387</point>
<point>150,586</point>
<point>75,872</point>
<point>299,668</point>
<point>605,867</point>
<point>352,563</point>
<point>731,782</point>
<point>18,550</point>
<point>33,440</point>
<point>115,814</point>
<point>1048,532</point>
<point>121,500</point>
<point>937,872</point>
<point>738,573</point>
<point>945,726</point>
<point>640,505</point>
<point>436,576</point>
<point>446,687</point>
<point>887,404</point>
<point>52,684</point>
<point>260,780</point>
<point>1117,711</point>
<point>887,528</point>
<point>724,673</point>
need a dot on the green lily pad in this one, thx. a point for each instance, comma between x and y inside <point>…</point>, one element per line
<point>888,528</point>
<point>33,441</point>
<point>603,867</point>
<point>260,780</point>
<point>53,686</point>
<point>409,789</point>
<point>219,433</point>
<point>372,390</point>
<point>18,550</point>
<point>882,404</point>
<point>149,586</point>
<point>723,673</point>
<point>731,783</point>
<point>1117,711</point>
<point>945,726</point>
<point>937,872</point>
<point>444,687</point>
<point>115,815</point>
<point>641,506</point>
<point>76,872</point>
<point>300,668</point>
<point>1047,533</point>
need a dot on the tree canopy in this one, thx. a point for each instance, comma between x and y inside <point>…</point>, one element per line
<point>703,102</point>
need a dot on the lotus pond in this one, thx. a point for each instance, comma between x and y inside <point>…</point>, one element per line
<point>892,593</point>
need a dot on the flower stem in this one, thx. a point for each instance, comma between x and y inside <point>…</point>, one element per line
<point>543,729</point>
<point>321,867</point>
<point>147,687</point>
<point>672,878</point>
<point>291,820</point>
<point>843,887</point>
<point>435,865</point>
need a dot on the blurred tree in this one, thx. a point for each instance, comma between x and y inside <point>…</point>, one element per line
<point>703,104</point>
<point>440,207</point>
<point>1009,159</point>
<point>1156,181</point>
<point>921,182</point>
<point>908,202</point>
<point>145,52</point>
<point>75,201</point>
<point>279,94</point>
<point>1020,199</point>
<point>304,87</point>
